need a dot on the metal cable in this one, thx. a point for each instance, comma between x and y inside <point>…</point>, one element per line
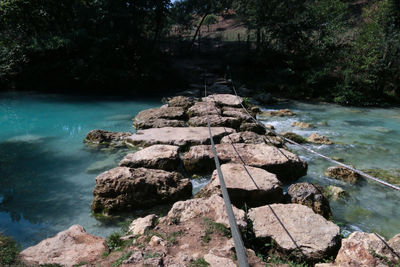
<point>311,150</point>
<point>239,247</point>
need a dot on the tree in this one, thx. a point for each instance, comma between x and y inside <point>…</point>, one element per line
<point>209,20</point>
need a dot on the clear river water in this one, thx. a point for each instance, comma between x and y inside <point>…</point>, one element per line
<point>47,173</point>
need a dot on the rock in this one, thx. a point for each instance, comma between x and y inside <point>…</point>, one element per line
<point>278,113</point>
<point>200,109</point>
<point>181,101</point>
<point>225,100</point>
<point>135,258</point>
<point>319,139</point>
<point>286,165</point>
<point>67,248</point>
<point>303,125</point>
<point>212,208</point>
<point>156,240</point>
<point>159,117</point>
<point>215,121</point>
<point>216,261</point>
<point>252,127</point>
<point>124,189</point>
<point>140,225</point>
<point>241,187</point>
<point>219,89</point>
<point>237,113</point>
<point>316,237</point>
<point>295,137</point>
<point>264,98</point>
<point>310,195</point>
<point>344,174</point>
<point>269,126</point>
<point>244,137</point>
<point>101,137</point>
<point>178,136</point>
<point>164,157</point>
<point>364,249</point>
<point>334,192</point>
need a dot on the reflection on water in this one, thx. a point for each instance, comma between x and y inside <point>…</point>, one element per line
<point>366,139</point>
<point>46,173</point>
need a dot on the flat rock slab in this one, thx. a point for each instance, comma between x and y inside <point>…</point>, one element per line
<point>287,166</point>
<point>224,100</point>
<point>212,208</point>
<point>67,248</point>
<point>200,109</point>
<point>244,137</point>
<point>124,189</point>
<point>159,123</point>
<point>164,157</point>
<point>180,101</point>
<point>102,137</point>
<point>215,121</point>
<point>179,136</point>
<point>316,237</point>
<point>261,188</point>
<point>146,118</point>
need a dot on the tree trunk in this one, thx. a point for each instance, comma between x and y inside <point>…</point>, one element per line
<point>198,29</point>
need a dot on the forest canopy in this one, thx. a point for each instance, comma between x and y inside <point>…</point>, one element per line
<point>336,50</point>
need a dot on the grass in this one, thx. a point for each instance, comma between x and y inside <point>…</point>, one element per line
<point>200,262</point>
<point>124,257</point>
<point>212,227</point>
<point>9,250</point>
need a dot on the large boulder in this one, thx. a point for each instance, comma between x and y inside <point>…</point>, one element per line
<point>67,248</point>
<point>259,189</point>
<point>344,174</point>
<point>212,207</point>
<point>179,136</point>
<point>180,101</point>
<point>310,195</point>
<point>286,165</point>
<point>319,139</point>
<point>200,109</point>
<point>364,249</point>
<point>159,117</point>
<point>124,189</point>
<point>244,137</point>
<point>296,230</point>
<point>215,121</point>
<point>102,137</point>
<point>224,100</point>
<point>252,127</point>
<point>164,157</point>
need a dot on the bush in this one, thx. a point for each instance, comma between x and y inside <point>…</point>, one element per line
<point>9,251</point>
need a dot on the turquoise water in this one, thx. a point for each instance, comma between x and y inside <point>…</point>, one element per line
<point>365,138</point>
<point>46,173</point>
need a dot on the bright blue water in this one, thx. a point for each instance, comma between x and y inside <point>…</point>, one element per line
<point>45,186</point>
<point>47,174</point>
<point>366,138</point>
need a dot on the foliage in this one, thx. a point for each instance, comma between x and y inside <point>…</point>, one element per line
<point>200,262</point>
<point>124,257</point>
<point>212,227</point>
<point>9,251</point>
<point>114,241</point>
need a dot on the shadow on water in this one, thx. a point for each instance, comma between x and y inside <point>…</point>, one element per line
<point>30,184</point>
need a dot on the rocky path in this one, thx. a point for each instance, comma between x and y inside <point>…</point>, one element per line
<point>173,146</point>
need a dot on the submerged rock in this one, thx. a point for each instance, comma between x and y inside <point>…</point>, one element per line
<point>344,174</point>
<point>164,157</point>
<point>319,139</point>
<point>67,248</point>
<point>364,249</point>
<point>335,192</point>
<point>296,230</point>
<point>286,165</point>
<point>124,189</point>
<point>310,195</point>
<point>295,137</point>
<point>259,189</point>
<point>303,125</point>
<point>102,137</point>
<point>278,113</point>
<point>179,136</point>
